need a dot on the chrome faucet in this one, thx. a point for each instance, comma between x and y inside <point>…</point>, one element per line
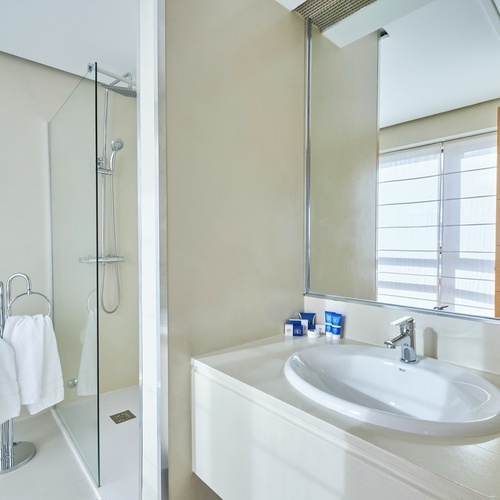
<point>407,335</point>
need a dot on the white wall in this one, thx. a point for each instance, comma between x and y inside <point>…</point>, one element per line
<point>235,112</point>
<point>470,343</point>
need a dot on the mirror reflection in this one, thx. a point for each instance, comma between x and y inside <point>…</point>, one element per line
<point>403,161</point>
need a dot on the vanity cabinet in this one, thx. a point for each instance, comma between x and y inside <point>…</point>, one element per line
<point>255,438</point>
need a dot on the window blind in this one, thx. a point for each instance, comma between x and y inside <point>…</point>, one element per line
<point>436,209</point>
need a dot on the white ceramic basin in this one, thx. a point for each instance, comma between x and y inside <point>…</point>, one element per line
<point>371,384</point>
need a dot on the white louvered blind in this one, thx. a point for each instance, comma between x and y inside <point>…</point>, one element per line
<point>436,226</point>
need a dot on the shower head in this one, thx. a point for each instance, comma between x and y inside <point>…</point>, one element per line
<point>125,91</point>
<point>117,144</point>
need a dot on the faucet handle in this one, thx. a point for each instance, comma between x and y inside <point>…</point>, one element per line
<point>400,321</point>
<point>408,354</point>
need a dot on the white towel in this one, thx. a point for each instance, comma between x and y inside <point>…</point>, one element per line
<point>39,373</point>
<point>10,403</point>
<point>87,373</point>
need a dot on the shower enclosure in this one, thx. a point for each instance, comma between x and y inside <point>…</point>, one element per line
<point>94,241</point>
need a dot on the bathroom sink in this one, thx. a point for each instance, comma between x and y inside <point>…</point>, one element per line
<point>371,384</point>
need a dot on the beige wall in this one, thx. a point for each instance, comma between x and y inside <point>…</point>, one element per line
<point>73,205</point>
<point>344,153</point>
<point>119,333</point>
<point>480,117</point>
<point>235,108</point>
<point>31,95</point>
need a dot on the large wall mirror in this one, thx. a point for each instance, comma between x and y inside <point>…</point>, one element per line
<point>403,160</point>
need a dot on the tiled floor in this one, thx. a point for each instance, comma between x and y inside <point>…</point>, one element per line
<point>55,473</point>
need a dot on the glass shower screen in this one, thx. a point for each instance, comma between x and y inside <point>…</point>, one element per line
<point>73,171</point>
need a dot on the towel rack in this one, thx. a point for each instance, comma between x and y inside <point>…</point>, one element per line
<point>29,291</point>
<point>14,454</point>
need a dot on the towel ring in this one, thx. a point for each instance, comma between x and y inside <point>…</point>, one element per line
<point>9,306</point>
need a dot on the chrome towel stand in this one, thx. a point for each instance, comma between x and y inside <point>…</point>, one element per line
<point>14,454</point>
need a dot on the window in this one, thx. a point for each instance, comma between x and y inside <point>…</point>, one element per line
<point>436,226</point>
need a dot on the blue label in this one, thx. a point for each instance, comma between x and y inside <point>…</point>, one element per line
<point>329,317</point>
<point>311,318</point>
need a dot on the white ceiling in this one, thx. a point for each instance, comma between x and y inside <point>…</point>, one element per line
<point>369,19</point>
<point>68,34</point>
<point>442,56</point>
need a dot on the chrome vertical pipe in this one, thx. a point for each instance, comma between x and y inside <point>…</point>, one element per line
<point>7,446</point>
<point>6,434</point>
<point>2,317</point>
<point>307,158</point>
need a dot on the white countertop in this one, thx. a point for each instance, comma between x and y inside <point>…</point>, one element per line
<point>473,463</point>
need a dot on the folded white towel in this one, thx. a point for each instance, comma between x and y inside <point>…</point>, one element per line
<point>39,373</point>
<point>10,404</point>
<point>87,373</point>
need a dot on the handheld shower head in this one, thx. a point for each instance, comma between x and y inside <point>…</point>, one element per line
<point>116,145</point>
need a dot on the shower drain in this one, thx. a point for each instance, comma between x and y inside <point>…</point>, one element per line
<point>123,416</point>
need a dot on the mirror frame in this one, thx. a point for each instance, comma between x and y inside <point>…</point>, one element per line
<point>307,211</point>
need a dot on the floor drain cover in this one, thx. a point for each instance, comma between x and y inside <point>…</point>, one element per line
<point>123,416</point>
